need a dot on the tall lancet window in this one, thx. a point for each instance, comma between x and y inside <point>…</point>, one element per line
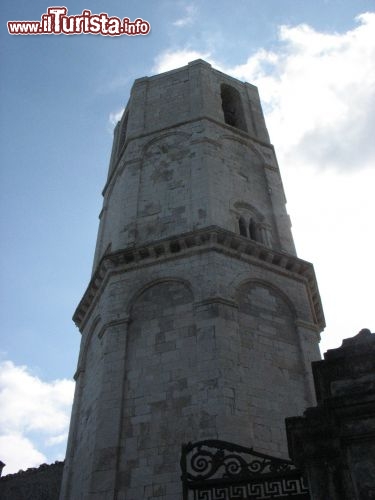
<point>232,107</point>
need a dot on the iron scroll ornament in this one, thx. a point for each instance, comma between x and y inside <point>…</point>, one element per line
<point>214,469</point>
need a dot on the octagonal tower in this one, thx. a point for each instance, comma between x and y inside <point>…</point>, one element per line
<point>199,320</point>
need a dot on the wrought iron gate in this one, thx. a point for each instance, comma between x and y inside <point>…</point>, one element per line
<point>217,470</point>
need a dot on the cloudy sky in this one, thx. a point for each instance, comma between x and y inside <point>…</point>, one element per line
<point>60,97</point>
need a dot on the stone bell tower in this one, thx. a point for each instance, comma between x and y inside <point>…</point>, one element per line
<point>199,320</point>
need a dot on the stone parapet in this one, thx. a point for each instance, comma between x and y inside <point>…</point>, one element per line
<point>39,483</point>
<point>334,442</point>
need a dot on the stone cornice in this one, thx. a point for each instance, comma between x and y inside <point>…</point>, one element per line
<point>211,238</point>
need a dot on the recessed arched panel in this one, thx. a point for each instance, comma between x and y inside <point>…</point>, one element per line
<point>153,299</point>
<point>262,304</point>
<point>160,356</point>
<point>270,360</point>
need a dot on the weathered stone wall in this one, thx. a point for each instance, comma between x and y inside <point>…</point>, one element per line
<point>42,483</point>
<point>159,390</point>
<point>272,370</point>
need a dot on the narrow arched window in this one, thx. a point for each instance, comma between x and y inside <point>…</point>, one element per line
<point>122,137</point>
<point>253,230</point>
<point>232,107</point>
<point>242,226</point>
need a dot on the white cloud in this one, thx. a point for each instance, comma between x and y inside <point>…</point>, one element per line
<point>115,117</point>
<point>332,217</point>
<point>19,453</point>
<point>172,59</point>
<point>188,18</point>
<point>61,438</point>
<point>319,91</point>
<point>33,412</point>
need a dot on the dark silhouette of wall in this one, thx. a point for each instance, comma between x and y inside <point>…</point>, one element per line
<point>334,442</point>
<point>42,483</point>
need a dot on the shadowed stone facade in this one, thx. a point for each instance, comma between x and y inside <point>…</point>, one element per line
<point>334,442</point>
<point>199,322</point>
<point>39,483</point>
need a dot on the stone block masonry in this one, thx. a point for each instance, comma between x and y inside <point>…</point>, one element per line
<point>199,321</point>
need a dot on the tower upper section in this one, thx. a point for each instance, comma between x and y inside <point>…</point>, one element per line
<point>192,151</point>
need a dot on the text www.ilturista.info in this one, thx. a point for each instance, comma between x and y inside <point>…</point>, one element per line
<point>57,22</point>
